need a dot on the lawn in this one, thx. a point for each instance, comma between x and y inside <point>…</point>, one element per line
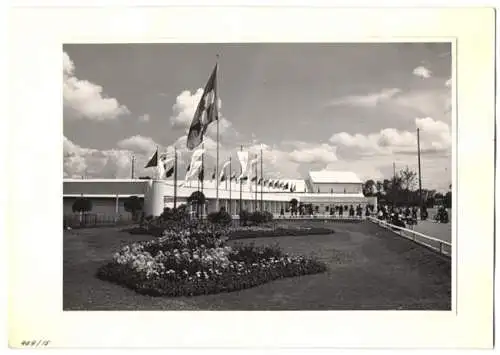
<point>368,268</point>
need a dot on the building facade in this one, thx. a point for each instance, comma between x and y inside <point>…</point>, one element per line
<point>321,189</point>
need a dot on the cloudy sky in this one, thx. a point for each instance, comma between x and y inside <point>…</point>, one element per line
<point>345,107</point>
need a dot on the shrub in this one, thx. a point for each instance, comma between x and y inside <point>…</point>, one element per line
<point>82,204</point>
<point>222,217</point>
<point>244,217</point>
<point>268,216</point>
<point>133,205</point>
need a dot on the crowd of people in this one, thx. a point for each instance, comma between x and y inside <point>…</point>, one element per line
<point>406,216</point>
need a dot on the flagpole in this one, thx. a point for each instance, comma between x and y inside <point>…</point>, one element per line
<point>175,177</point>
<point>217,108</point>
<point>241,172</point>
<point>230,179</point>
<point>256,182</point>
<point>419,171</point>
<point>261,183</point>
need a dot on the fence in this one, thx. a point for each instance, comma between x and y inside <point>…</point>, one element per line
<point>433,243</point>
<point>95,220</point>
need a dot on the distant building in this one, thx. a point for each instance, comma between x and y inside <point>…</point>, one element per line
<point>321,189</point>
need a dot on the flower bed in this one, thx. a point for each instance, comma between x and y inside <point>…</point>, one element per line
<point>196,261</point>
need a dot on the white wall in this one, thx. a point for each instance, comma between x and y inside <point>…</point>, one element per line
<point>339,188</point>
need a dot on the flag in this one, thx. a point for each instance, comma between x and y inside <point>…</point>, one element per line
<point>192,172</point>
<point>189,167</point>
<point>286,186</point>
<point>170,172</point>
<point>243,158</point>
<point>254,179</point>
<point>260,181</point>
<point>276,184</point>
<point>195,157</point>
<point>271,183</point>
<point>206,112</point>
<point>153,161</point>
<point>253,162</point>
<point>244,178</point>
<point>223,178</point>
<point>213,175</point>
<point>222,174</point>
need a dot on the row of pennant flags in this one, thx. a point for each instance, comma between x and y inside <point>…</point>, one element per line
<point>165,167</point>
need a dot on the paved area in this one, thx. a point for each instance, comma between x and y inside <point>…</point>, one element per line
<point>369,268</point>
<point>437,230</point>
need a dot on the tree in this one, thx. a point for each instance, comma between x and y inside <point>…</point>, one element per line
<point>82,205</point>
<point>379,187</point>
<point>447,199</point>
<point>133,204</point>
<point>197,199</point>
<point>408,178</point>
<point>369,188</point>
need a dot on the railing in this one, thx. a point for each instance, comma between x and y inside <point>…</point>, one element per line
<point>433,243</point>
<point>320,216</point>
<point>95,220</point>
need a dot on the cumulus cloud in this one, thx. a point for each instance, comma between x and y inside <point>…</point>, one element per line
<point>109,163</point>
<point>184,109</point>
<point>86,99</point>
<point>138,143</point>
<point>321,153</point>
<point>79,162</point>
<point>422,72</point>
<point>435,137</point>
<point>368,100</point>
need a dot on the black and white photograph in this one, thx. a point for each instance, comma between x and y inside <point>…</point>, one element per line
<point>257,176</point>
<point>251,178</point>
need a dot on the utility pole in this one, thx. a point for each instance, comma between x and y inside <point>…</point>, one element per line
<point>419,170</point>
<point>175,177</point>
<point>133,163</point>
<point>241,193</point>
<point>261,183</point>
<point>256,182</point>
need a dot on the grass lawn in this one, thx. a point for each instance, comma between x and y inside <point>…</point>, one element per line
<point>368,268</point>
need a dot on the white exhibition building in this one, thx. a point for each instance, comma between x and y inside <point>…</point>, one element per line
<point>321,189</point>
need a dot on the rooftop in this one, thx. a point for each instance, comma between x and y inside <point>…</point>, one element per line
<point>329,176</point>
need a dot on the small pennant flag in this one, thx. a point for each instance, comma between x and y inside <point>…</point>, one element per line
<point>254,179</point>
<point>271,183</point>
<point>223,177</point>
<point>153,161</point>
<point>213,175</point>
<point>286,186</point>
<point>189,167</point>
<point>170,172</point>
<point>276,184</point>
